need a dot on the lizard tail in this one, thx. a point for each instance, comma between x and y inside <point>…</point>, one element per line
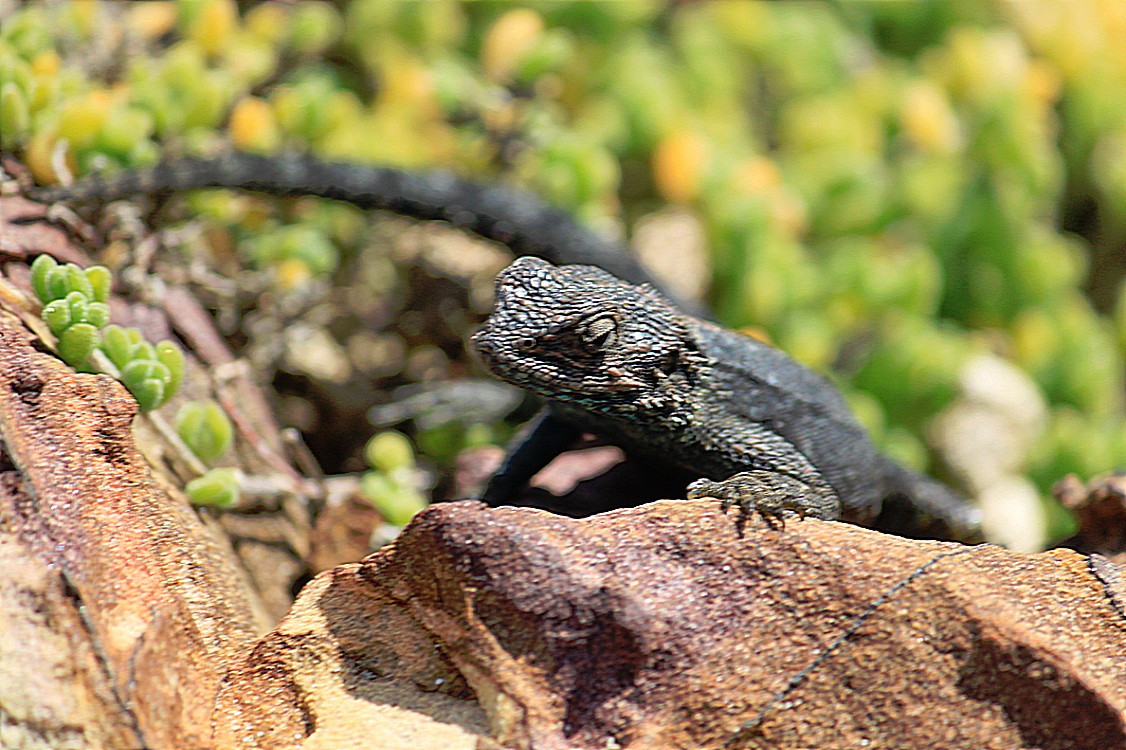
<point>933,498</point>
<point>514,218</point>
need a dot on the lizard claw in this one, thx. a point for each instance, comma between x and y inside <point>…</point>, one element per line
<point>769,494</point>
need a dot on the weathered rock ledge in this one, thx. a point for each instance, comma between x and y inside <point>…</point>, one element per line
<point>672,625</point>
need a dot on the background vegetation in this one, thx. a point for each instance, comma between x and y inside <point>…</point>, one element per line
<point>885,189</point>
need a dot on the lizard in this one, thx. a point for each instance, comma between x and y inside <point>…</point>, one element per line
<point>620,360</point>
<point>580,322</point>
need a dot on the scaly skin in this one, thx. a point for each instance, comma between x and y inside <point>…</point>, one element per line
<point>622,361</point>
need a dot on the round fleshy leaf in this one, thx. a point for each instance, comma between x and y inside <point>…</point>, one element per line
<point>77,302</point>
<point>97,314</point>
<point>218,488</point>
<point>143,350</point>
<point>149,393</point>
<point>76,281</point>
<point>169,355</point>
<point>205,428</point>
<point>140,370</point>
<point>101,282</point>
<point>118,345</point>
<point>57,316</point>
<point>56,283</point>
<point>77,342</point>
<point>40,271</point>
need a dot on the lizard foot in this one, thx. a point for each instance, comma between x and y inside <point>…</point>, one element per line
<point>770,494</point>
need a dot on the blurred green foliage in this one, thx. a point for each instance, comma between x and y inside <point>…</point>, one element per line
<point>926,178</point>
<point>206,429</point>
<point>393,484</point>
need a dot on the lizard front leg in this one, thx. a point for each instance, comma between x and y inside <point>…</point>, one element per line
<point>770,493</point>
<point>532,449</point>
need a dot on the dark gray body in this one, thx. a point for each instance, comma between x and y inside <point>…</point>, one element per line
<point>781,408</point>
<point>755,408</point>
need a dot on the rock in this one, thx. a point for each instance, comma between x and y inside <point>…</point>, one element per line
<point>674,625</point>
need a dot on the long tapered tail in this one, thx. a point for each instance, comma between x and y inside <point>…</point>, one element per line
<point>514,218</point>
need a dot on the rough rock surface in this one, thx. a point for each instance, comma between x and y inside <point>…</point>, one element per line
<point>142,600</point>
<point>673,625</point>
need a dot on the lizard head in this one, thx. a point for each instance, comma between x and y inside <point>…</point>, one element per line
<point>579,335</point>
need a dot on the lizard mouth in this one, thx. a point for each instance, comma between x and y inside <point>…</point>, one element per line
<point>502,362</point>
<point>499,360</point>
<point>487,352</point>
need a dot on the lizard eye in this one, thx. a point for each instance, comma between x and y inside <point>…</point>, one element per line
<point>599,333</point>
<point>526,343</point>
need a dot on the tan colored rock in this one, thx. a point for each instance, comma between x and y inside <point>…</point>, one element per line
<point>347,668</point>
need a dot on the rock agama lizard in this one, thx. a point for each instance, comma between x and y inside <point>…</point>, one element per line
<point>614,358</point>
<point>623,362</point>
